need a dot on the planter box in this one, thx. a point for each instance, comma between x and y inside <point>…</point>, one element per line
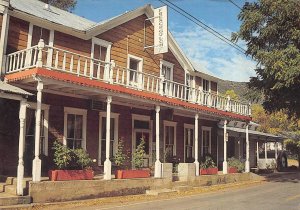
<point>208,171</point>
<point>65,175</point>
<point>232,170</point>
<point>129,174</point>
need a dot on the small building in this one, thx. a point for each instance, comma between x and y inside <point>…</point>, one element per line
<point>94,83</point>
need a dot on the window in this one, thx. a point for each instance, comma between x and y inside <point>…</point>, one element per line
<point>169,138</point>
<point>206,140</point>
<point>166,69</point>
<point>114,127</point>
<point>135,66</point>
<point>188,83</point>
<point>75,128</point>
<point>206,85</point>
<point>189,142</point>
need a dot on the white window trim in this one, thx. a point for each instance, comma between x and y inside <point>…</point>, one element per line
<point>205,128</point>
<point>102,43</point>
<point>173,124</point>
<point>209,84</point>
<point>115,116</point>
<point>133,143</point>
<point>167,64</point>
<point>189,126</point>
<point>45,108</point>
<point>141,61</point>
<point>76,111</point>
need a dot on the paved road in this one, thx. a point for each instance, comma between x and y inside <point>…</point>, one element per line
<point>279,193</point>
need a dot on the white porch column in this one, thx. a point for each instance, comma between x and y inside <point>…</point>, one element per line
<point>158,165</point>
<point>266,153</point>
<point>107,162</point>
<point>20,172</point>
<point>4,4</point>
<point>257,154</point>
<point>247,162</point>
<point>196,145</point>
<point>225,148</point>
<point>37,164</point>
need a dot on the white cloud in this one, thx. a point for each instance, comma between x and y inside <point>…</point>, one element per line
<point>212,55</point>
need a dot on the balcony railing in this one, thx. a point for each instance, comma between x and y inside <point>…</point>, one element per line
<point>84,66</point>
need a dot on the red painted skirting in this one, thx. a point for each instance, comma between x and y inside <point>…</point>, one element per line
<point>65,175</point>
<point>117,88</point>
<point>129,174</point>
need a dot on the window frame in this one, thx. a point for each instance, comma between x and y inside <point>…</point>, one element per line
<point>167,123</point>
<point>209,85</point>
<point>188,126</point>
<point>102,43</point>
<point>139,70</point>
<point>45,108</point>
<point>75,111</point>
<point>169,65</point>
<point>205,128</point>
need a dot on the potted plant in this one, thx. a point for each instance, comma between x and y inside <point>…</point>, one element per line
<point>72,164</point>
<point>138,162</point>
<point>235,165</point>
<point>120,159</point>
<point>208,166</point>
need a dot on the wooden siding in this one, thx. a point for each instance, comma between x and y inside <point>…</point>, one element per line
<point>17,35</point>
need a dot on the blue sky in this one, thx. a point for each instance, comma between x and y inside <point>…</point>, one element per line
<point>207,52</point>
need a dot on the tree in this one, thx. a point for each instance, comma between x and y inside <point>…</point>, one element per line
<point>271,31</point>
<point>231,94</point>
<point>67,5</point>
<point>120,157</point>
<point>139,154</point>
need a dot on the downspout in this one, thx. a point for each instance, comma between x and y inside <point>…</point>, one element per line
<point>4,4</point>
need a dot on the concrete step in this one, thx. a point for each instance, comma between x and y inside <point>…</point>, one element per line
<point>10,189</point>
<point>160,192</point>
<point>9,200</point>
<point>14,207</point>
<point>2,185</point>
<point>9,180</point>
<point>182,188</point>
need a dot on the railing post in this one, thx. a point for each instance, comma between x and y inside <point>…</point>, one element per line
<point>249,109</point>
<point>161,84</point>
<point>228,104</point>
<point>41,46</point>
<point>111,71</point>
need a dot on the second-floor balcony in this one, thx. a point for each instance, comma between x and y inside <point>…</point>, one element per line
<point>56,59</point>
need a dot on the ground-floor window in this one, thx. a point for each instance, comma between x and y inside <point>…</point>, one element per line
<point>75,128</point>
<point>206,141</point>
<point>114,127</point>
<point>169,139</point>
<point>189,142</point>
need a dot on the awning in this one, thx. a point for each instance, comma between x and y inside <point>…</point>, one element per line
<point>7,88</point>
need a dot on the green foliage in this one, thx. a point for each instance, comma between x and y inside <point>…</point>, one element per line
<point>271,31</point>
<point>207,162</point>
<point>82,158</point>
<point>67,5</point>
<point>231,94</point>
<point>236,163</point>
<point>66,158</point>
<point>120,156</point>
<point>139,155</point>
<point>62,155</point>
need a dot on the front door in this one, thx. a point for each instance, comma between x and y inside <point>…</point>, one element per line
<point>137,137</point>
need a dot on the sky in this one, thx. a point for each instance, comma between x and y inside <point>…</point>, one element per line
<point>208,53</point>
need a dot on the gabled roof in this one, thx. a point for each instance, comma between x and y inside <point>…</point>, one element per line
<point>80,27</point>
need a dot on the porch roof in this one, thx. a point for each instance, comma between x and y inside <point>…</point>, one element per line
<point>7,88</point>
<point>253,132</point>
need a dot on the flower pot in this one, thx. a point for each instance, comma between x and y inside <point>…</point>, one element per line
<point>208,171</point>
<point>65,175</point>
<point>130,174</point>
<point>232,170</point>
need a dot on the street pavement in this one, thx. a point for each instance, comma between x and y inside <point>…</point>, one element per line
<point>279,192</point>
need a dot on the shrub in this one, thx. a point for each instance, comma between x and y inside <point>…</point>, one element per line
<point>66,158</point>
<point>139,155</point>
<point>120,157</point>
<point>236,163</point>
<point>207,162</point>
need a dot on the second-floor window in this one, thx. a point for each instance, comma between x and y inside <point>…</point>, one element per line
<point>166,69</point>
<point>206,85</point>
<point>135,66</point>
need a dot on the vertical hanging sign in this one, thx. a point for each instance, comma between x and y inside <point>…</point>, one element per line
<point>161,30</point>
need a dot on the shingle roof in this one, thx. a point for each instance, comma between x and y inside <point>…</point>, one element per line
<point>7,88</point>
<point>37,8</point>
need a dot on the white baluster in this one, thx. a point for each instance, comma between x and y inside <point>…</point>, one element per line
<point>85,68</point>
<point>98,70</point>
<point>152,85</point>
<point>10,63</point>
<point>157,86</point>
<point>148,81</point>
<point>123,76</point>
<point>78,66</point>
<point>71,63</point>
<point>117,76</point>
<point>35,56</point>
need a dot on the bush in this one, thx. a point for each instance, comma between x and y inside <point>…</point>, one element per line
<point>139,155</point>
<point>236,163</point>
<point>120,157</point>
<point>66,158</point>
<point>207,162</point>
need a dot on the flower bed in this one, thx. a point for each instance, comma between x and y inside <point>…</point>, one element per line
<point>232,170</point>
<point>208,171</point>
<point>129,174</point>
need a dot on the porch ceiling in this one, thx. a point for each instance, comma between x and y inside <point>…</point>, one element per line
<point>74,86</point>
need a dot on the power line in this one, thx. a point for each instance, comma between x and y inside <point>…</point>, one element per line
<point>202,25</point>
<point>235,4</point>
